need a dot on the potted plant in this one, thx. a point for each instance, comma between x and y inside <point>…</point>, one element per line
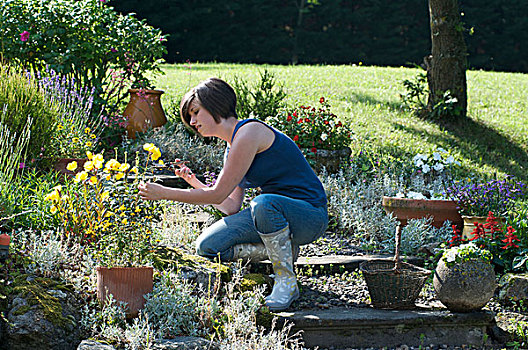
<point>464,279</point>
<point>476,199</point>
<point>424,194</point>
<point>320,135</point>
<point>101,214</point>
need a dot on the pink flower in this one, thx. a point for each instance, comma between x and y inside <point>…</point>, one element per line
<point>113,49</point>
<point>21,165</point>
<point>24,35</point>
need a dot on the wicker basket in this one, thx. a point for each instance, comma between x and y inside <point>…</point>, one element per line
<point>391,283</point>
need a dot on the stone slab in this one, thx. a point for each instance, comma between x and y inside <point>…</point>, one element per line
<point>369,327</point>
<point>334,263</point>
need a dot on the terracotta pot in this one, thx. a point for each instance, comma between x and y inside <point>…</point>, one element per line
<point>5,240</point>
<point>469,224</point>
<point>330,159</point>
<point>126,284</point>
<point>61,164</point>
<point>406,208</point>
<point>144,111</point>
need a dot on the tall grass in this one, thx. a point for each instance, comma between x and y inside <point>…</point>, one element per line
<point>492,141</point>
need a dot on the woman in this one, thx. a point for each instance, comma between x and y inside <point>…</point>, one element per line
<point>291,211</point>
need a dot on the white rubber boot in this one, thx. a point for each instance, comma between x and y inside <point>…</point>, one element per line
<point>285,290</point>
<point>254,252</point>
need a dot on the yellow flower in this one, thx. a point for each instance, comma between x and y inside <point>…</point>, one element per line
<point>108,214</point>
<point>155,154</point>
<point>134,170</point>
<point>53,209</point>
<point>112,164</point>
<point>137,210</point>
<point>75,139</point>
<point>119,176</point>
<point>72,166</point>
<point>148,147</point>
<point>121,208</point>
<point>89,155</point>
<point>87,130</point>
<point>161,162</point>
<point>52,196</point>
<point>92,136</point>
<point>105,195</point>
<point>83,175</point>
<point>124,167</point>
<point>124,221</point>
<point>93,180</point>
<point>57,188</point>
<point>60,127</point>
<point>89,165</point>
<point>89,144</point>
<point>108,177</point>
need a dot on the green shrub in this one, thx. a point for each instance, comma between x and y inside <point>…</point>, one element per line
<point>21,99</point>
<point>86,40</point>
<point>260,101</point>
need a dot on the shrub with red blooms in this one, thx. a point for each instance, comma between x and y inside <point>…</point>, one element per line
<point>505,247</point>
<point>313,128</point>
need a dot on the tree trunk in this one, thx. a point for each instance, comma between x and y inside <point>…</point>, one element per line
<point>446,66</point>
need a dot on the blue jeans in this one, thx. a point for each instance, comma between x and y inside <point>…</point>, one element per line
<point>268,213</point>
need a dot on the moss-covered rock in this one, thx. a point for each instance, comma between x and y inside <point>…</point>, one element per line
<point>42,314</point>
<point>251,280</point>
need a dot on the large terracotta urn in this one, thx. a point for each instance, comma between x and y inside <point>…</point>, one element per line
<point>144,111</point>
<point>440,210</point>
<point>126,284</point>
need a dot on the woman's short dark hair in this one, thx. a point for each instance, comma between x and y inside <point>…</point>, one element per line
<point>213,94</point>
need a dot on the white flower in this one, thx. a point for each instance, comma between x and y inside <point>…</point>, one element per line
<point>440,149</point>
<point>324,136</point>
<point>439,167</point>
<point>400,195</point>
<point>450,160</point>
<point>450,255</point>
<point>419,163</point>
<point>426,168</point>
<point>437,156</point>
<point>415,195</point>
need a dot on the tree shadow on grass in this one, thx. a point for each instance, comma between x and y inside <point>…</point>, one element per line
<point>481,144</point>
<point>372,101</point>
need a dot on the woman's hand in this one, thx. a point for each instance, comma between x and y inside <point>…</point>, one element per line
<point>150,191</point>
<point>184,172</point>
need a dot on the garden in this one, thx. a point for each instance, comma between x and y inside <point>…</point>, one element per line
<point>73,150</point>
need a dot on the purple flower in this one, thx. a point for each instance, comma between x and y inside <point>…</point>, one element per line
<point>22,165</point>
<point>113,49</point>
<point>24,35</point>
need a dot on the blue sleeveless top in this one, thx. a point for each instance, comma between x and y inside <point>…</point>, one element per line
<point>282,169</point>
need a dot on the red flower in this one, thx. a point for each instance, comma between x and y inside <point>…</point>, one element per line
<point>510,239</point>
<point>296,138</point>
<point>456,237</point>
<point>299,121</point>
<point>295,114</point>
<point>326,122</point>
<point>339,124</point>
<point>478,231</point>
<point>314,150</point>
<point>306,120</point>
<point>289,118</point>
<point>321,100</point>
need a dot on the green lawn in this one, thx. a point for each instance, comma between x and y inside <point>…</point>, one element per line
<point>494,139</point>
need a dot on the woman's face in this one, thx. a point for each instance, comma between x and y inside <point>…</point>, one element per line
<point>202,120</point>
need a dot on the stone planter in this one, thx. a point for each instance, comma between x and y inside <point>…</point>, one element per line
<point>126,284</point>
<point>144,111</point>
<point>469,224</point>
<point>407,208</point>
<point>465,286</point>
<point>329,159</point>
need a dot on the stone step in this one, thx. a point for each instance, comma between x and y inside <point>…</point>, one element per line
<point>368,327</point>
<point>333,263</point>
